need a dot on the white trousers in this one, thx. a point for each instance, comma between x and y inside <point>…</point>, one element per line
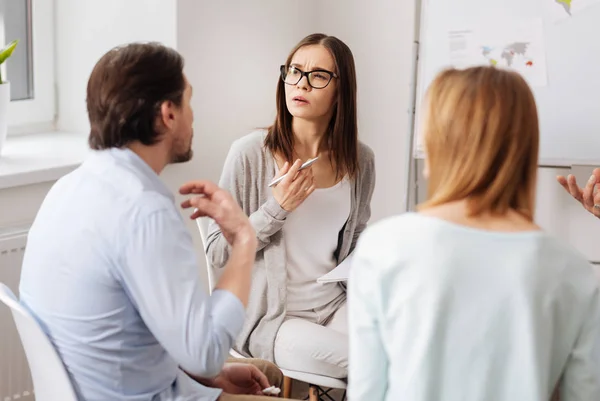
<point>313,343</point>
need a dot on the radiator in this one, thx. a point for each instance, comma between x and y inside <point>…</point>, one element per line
<point>15,379</point>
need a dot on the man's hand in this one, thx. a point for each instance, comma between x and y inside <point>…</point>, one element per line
<point>589,197</point>
<point>241,378</point>
<point>210,200</point>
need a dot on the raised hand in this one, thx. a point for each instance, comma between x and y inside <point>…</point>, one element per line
<point>589,197</point>
<point>210,200</point>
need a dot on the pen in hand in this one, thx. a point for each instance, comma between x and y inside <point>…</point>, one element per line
<point>305,165</point>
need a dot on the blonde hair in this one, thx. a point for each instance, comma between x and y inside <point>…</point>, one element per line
<point>481,141</point>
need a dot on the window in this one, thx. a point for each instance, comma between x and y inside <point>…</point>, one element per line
<point>30,70</point>
<point>20,68</point>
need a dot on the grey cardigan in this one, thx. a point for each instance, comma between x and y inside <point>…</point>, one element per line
<point>248,169</point>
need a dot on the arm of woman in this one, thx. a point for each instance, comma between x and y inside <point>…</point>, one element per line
<point>367,173</point>
<point>238,177</point>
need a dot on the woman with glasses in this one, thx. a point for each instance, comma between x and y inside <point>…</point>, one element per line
<point>307,223</point>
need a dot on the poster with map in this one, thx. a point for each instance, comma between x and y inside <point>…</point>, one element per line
<point>509,43</point>
<point>561,10</point>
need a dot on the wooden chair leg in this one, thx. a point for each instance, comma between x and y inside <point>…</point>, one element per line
<point>287,387</point>
<point>313,393</point>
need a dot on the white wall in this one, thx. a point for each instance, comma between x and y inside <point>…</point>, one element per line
<point>85,30</point>
<point>233,50</point>
<point>380,34</point>
<point>556,211</point>
<point>18,206</point>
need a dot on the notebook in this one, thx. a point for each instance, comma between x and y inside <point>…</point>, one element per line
<point>340,273</point>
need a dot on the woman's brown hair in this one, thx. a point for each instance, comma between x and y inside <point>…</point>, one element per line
<point>481,141</point>
<point>342,134</point>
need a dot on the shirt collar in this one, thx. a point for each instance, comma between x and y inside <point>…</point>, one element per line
<point>142,169</point>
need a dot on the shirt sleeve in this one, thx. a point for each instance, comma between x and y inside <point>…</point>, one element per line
<point>368,364</point>
<point>581,377</point>
<point>160,272</point>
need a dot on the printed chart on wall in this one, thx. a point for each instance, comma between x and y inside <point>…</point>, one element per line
<point>553,44</point>
<point>512,44</point>
<point>561,10</point>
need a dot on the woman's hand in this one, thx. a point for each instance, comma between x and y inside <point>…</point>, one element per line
<point>295,187</point>
<point>589,196</point>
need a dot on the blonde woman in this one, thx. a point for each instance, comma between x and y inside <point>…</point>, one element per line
<point>469,299</point>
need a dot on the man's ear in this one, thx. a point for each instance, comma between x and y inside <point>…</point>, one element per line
<point>167,115</point>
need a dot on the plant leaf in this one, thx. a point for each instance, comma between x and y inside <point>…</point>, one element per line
<point>8,50</point>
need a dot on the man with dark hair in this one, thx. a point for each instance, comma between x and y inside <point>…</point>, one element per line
<point>110,271</point>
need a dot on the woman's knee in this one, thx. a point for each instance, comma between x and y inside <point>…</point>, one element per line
<point>308,347</point>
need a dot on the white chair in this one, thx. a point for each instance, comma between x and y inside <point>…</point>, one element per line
<point>202,223</point>
<point>50,379</point>
<point>319,386</point>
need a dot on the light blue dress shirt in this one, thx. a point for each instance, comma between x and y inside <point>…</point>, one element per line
<point>111,274</point>
<point>445,312</point>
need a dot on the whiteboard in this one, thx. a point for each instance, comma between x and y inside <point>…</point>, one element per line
<point>568,106</point>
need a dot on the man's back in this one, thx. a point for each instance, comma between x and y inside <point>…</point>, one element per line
<point>79,282</point>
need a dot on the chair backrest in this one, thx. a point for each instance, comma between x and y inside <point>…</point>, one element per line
<point>50,379</point>
<point>202,223</point>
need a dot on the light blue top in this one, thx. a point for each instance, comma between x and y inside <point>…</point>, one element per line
<point>444,312</point>
<point>111,274</point>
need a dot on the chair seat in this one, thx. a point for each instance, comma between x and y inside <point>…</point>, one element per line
<point>311,378</point>
<point>317,380</point>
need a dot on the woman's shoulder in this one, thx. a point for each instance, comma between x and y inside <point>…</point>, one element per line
<point>250,143</point>
<point>366,164</point>
<point>392,227</point>
<point>248,155</point>
<point>390,241</point>
<point>365,153</point>
<point>249,149</point>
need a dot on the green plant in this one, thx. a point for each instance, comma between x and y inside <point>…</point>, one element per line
<point>6,53</point>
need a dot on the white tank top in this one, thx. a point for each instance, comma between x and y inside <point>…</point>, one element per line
<point>311,237</point>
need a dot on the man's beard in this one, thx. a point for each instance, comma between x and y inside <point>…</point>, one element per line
<point>182,157</point>
<point>179,156</point>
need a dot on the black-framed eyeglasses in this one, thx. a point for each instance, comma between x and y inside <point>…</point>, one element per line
<point>317,79</point>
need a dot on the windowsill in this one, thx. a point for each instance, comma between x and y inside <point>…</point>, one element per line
<point>37,158</point>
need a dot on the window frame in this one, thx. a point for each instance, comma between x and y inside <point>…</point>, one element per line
<point>38,113</point>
